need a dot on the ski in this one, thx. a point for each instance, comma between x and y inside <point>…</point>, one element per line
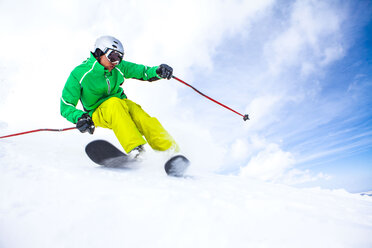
<point>176,166</point>
<point>106,154</point>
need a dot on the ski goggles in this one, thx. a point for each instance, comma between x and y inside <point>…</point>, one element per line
<point>114,56</point>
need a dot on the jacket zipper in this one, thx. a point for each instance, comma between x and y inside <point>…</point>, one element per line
<point>108,85</point>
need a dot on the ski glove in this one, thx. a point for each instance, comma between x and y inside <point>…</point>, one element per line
<point>85,123</point>
<point>165,71</point>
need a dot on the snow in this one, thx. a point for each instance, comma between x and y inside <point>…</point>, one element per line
<point>52,195</point>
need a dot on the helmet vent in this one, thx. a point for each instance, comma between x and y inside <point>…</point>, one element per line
<point>115,46</point>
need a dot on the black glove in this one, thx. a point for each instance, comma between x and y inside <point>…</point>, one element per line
<point>85,123</point>
<point>165,71</point>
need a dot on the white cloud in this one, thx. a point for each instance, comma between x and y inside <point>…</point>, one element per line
<point>269,164</point>
<point>275,165</point>
<point>240,149</point>
<point>310,40</point>
<point>263,110</point>
<point>332,54</point>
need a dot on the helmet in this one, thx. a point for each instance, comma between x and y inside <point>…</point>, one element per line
<point>106,42</point>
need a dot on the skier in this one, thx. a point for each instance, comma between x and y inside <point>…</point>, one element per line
<point>96,83</point>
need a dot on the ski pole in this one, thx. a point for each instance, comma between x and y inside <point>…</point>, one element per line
<point>38,130</point>
<point>245,117</point>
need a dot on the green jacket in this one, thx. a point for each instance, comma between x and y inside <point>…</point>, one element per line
<point>91,83</point>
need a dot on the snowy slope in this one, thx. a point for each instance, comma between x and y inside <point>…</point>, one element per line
<point>51,195</point>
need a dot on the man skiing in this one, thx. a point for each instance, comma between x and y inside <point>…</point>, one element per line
<point>96,83</point>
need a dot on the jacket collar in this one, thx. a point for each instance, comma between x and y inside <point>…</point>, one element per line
<point>97,67</point>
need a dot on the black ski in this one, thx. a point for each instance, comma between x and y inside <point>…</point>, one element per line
<point>176,166</point>
<point>106,154</point>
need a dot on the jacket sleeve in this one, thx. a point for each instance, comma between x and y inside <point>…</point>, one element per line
<point>137,71</point>
<point>70,97</point>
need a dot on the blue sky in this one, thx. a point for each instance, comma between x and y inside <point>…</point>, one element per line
<point>328,130</point>
<point>301,69</point>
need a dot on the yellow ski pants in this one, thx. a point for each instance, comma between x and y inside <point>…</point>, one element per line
<point>130,123</point>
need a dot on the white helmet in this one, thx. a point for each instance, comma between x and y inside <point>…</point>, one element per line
<point>108,42</point>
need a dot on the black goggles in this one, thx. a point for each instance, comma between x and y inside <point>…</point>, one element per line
<point>114,56</point>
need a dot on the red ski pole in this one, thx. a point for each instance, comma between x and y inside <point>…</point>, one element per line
<point>245,117</point>
<point>38,130</point>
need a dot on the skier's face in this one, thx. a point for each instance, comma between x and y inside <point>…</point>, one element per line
<point>106,63</point>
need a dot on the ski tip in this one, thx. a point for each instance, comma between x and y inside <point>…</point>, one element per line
<point>104,153</point>
<point>177,166</point>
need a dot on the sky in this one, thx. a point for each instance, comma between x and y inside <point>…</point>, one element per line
<point>300,69</point>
